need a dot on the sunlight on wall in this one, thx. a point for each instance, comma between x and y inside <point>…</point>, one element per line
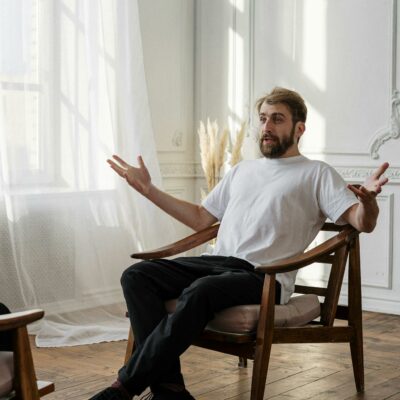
<point>313,59</point>
<point>288,37</point>
<point>314,141</point>
<point>314,42</point>
<point>238,4</point>
<point>314,137</point>
<point>235,80</point>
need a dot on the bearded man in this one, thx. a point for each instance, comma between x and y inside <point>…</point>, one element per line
<point>269,209</point>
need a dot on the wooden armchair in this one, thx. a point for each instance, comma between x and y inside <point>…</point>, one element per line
<point>17,373</point>
<point>278,323</point>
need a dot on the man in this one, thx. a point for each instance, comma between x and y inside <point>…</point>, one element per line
<point>269,209</point>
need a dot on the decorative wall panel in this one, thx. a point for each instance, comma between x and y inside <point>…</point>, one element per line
<point>346,75</point>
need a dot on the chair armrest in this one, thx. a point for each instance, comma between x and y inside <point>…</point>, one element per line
<point>180,246</point>
<point>19,319</point>
<point>311,256</point>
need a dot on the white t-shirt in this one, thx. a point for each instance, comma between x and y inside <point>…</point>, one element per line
<point>271,209</point>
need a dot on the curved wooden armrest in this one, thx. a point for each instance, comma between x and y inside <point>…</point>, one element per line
<point>18,319</point>
<point>311,256</point>
<point>180,246</point>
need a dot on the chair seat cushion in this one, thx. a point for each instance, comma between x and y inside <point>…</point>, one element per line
<point>243,319</point>
<point>6,372</point>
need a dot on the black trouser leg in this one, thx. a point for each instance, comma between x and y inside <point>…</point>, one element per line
<point>146,286</point>
<point>225,283</point>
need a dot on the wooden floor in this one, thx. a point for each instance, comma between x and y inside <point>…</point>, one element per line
<point>318,372</point>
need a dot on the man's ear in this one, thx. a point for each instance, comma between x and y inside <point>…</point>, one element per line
<point>299,130</point>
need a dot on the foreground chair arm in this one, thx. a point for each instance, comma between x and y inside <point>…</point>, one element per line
<point>19,319</point>
<point>180,246</point>
<point>24,385</point>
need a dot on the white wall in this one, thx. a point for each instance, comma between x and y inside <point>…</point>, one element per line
<point>343,57</point>
<point>168,46</point>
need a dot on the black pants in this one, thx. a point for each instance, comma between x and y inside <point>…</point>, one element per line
<point>203,285</point>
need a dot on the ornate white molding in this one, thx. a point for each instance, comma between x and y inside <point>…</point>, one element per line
<point>181,170</point>
<point>394,130</point>
<point>194,170</point>
<point>360,173</point>
<point>349,173</point>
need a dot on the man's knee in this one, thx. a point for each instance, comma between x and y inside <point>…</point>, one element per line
<point>133,275</point>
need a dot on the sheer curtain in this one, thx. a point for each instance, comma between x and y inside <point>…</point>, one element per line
<point>73,93</point>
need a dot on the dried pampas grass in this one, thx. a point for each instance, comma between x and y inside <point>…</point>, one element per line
<point>213,149</point>
<point>236,154</point>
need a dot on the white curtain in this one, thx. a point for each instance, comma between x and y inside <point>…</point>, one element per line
<point>73,93</point>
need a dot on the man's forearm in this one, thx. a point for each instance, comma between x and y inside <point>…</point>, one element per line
<point>190,214</point>
<point>365,217</point>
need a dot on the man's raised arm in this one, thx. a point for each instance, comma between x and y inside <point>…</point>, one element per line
<point>193,215</point>
<point>363,216</point>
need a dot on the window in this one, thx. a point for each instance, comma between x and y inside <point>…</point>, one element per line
<point>25,87</point>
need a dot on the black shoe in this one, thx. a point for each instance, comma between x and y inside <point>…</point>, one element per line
<point>110,393</point>
<point>164,394</point>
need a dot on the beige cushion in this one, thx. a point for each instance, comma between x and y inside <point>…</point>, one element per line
<point>6,372</point>
<point>243,319</point>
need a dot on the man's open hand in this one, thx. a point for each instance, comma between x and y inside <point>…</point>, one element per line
<point>138,178</point>
<point>372,185</point>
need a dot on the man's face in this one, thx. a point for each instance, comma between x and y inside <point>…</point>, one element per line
<point>277,131</point>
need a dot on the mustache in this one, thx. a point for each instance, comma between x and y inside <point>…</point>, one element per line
<point>268,136</point>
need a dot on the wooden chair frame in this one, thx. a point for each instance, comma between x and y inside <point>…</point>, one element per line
<point>25,385</point>
<point>257,346</point>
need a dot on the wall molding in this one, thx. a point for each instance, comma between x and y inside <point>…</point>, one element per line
<point>350,173</point>
<point>353,173</point>
<point>379,273</point>
<point>390,128</point>
<point>376,304</point>
<point>393,130</point>
<point>181,170</point>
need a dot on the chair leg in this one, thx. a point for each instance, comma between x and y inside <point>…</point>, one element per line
<point>25,378</point>
<point>129,347</point>
<point>260,370</point>
<point>357,357</point>
<point>264,339</point>
<point>355,315</point>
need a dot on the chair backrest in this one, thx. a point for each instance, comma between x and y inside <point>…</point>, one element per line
<point>337,262</point>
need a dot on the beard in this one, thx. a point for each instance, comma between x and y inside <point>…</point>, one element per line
<point>278,147</point>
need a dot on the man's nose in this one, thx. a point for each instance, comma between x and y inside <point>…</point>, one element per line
<point>266,125</point>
